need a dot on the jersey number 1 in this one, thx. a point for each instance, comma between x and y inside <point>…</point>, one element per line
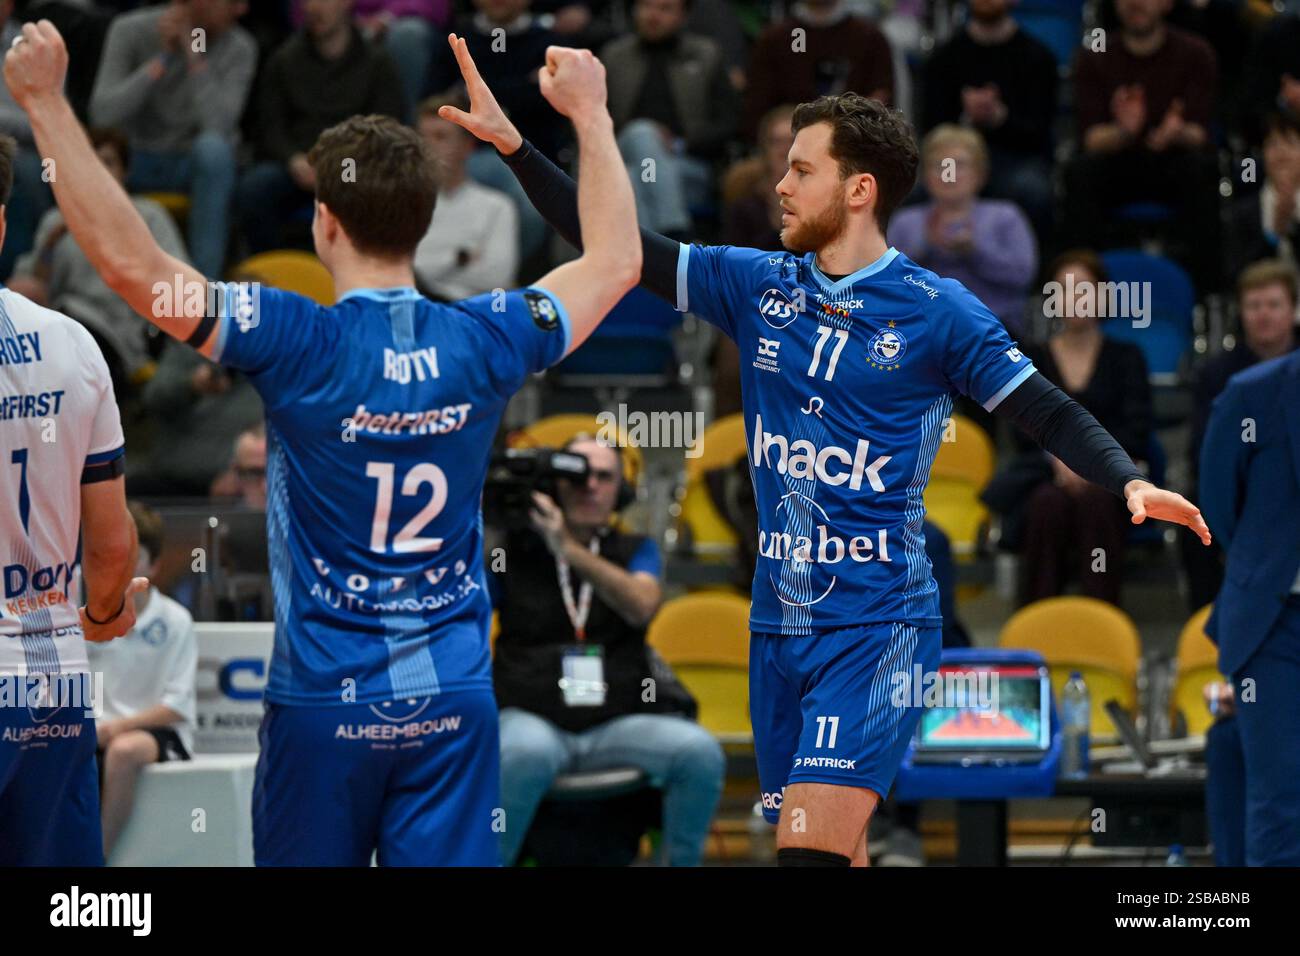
<point>406,540</point>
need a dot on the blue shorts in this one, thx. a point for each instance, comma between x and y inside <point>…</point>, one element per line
<point>49,788</point>
<point>824,709</point>
<point>417,780</point>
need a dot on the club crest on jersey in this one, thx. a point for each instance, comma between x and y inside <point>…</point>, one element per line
<point>543,310</point>
<point>777,310</point>
<point>887,348</point>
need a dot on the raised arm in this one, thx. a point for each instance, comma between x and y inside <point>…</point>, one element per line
<point>551,192</point>
<point>166,291</point>
<point>573,81</point>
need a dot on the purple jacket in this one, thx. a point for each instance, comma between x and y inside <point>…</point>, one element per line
<point>998,270</point>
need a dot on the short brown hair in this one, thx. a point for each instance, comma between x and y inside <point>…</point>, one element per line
<point>867,137</point>
<point>107,136</point>
<point>148,527</point>
<point>1079,257</point>
<point>1269,272</point>
<point>380,181</point>
<point>8,149</point>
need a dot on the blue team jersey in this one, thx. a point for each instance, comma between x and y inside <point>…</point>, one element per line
<point>381,413</point>
<point>846,387</point>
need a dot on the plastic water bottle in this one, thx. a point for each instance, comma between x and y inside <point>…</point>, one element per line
<point>1076,715</point>
<point>1176,857</point>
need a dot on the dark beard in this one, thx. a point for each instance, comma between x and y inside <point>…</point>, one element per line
<point>814,235</point>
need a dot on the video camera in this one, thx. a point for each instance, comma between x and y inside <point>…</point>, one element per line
<point>515,473</point>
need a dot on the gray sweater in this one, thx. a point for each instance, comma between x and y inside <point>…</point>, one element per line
<point>167,115</point>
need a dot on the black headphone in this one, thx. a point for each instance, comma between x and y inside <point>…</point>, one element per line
<point>626,486</point>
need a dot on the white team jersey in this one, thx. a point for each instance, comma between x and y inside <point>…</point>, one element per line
<point>154,664</point>
<point>58,422</point>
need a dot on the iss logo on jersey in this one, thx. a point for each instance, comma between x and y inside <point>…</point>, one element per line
<point>776,309</point>
<point>887,348</point>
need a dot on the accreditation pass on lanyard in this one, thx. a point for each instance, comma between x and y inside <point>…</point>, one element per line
<point>582,675</point>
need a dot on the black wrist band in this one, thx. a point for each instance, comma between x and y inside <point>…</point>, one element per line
<point>201,333</point>
<point>120,608</point>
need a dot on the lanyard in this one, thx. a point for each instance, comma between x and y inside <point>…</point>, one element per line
<point>578,611</point>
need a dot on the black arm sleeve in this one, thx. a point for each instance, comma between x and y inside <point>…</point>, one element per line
<point>555,196</point>
<point>1065,428</point>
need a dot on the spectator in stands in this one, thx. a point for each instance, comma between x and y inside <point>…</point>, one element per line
<point>1067,527</point>
<point>30,196</point>
<point>245,478</point>
<point>323,74</point>
<point>674,110</point>
<point>994,76</point>
<point>197,409</point>
<point>1273,76</point>
<point>577,583</point>
<point>1144,109</point>
<point>1267,296</point>
<point>57,274</point>
<point>175,78</point>
<point>472,245</point>
<point>751,208</point>
<point>1266,223</point>
<point>148,696</point>
<point>986,244</point>
<point>513,81</point>
<point>409,31</point>
<point>834,52</point>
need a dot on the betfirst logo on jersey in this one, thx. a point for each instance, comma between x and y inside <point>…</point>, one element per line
<point>830,465</point>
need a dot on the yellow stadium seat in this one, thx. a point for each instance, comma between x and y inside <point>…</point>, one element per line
<point>705,639</point>
<point>289,269</point>
<point>557,430</point>
<point>961,469</point>
<point>722,443</point>
<point>1086,635</point>
<point>1197,665</point>
<point>178,204</point>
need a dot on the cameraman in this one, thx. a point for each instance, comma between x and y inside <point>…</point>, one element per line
<point>571,663</point>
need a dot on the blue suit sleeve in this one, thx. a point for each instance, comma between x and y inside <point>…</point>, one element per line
<point>1224,457</point>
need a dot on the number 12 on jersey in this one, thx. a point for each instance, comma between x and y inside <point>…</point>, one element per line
<point>407,540</point>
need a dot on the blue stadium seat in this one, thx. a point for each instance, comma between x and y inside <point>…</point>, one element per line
<point>1057,24</point>
<point>635,339</point>
<point>1173,298</point>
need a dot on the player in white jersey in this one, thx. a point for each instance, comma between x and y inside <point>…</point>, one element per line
<point>61,458</point>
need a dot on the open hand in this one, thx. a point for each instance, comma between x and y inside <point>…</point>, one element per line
<point>1145,500</point>
<point>485,119</point>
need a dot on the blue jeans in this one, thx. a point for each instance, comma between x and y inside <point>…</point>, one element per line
<point>207,175</point>
<point>266,196</point>
<point>680,757</point>
<point>679,182</point>
<point>487,168</point>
